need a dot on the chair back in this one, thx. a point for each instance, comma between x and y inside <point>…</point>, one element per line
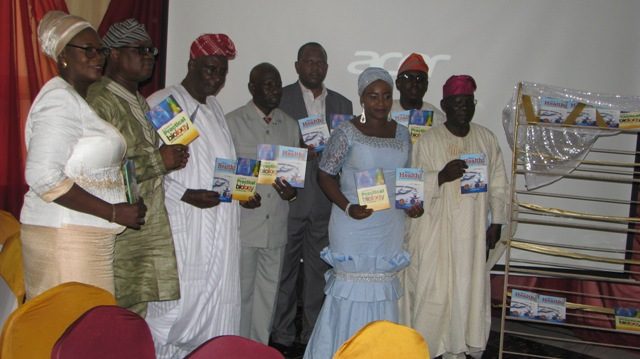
<point>106,332</point>
<point>233,347</point>
<point>31,330</point>
<point>382,340</point>
<point>11,255</point>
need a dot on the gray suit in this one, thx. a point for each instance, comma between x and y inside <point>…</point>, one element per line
<point>307,232</point>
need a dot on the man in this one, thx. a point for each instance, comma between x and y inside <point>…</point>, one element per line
<point>447,282</point>
<point>205,231</point>
<point>309,214</point>
<point>412,82</point>
<point>144,260</point>
<point>263,232</point>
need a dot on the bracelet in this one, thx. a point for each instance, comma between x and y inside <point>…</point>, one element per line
<point>346,209</point>
<point>293,198</point>
<point>113,213</point>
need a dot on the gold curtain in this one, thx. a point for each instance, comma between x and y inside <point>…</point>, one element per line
<point>93,10</point>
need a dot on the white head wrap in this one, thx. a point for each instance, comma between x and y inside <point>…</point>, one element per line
<point>56,29</point>
<point>371,75</point>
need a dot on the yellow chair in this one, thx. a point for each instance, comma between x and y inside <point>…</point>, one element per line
<point>31,330</point>
<point>384,340</point>
<point>11,255</point>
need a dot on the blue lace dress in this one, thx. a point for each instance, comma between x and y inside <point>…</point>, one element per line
<point>366,254</point>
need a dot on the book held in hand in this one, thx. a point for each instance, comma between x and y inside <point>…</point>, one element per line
<point>475,178</point>
<point>419,123</point>
<point>246,179</point>
<point>371,189</point>
<point>409,187</point>
<point>401,117</point>
<point>224,178</point>
<point>292,165</point>
<point>268,164</point>
<point>130,182</point>
<point>315,132</point>
<point>172,123</point>
<point>338,118</point>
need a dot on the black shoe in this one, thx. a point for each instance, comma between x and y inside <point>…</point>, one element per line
<point>296,350</point>
<point>279,347</point>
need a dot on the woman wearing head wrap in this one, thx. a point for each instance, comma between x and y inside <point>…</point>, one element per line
<point>73,208</point>
<point>365,247</point>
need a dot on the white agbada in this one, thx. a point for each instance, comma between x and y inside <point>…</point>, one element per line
<point>206,241</point>
<point>447,283</point>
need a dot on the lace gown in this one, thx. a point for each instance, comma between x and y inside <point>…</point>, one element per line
<point>367,254</point>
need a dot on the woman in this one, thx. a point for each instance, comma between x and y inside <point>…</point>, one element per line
<point>69,218</point>
<point>365,247</point>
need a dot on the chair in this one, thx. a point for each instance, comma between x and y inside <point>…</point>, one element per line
<point>382,340</point>
<point>33,328</point>
<point>12,292</point>
<point>233,347</point>
<point>106,332</point>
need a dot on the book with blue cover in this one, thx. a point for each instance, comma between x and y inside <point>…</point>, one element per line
<point>292,165</point>
<point>338,118</point>
<point>419,122</point>
<point>371,189</point>
<point>409,187</point>
<point>268,164</point>
<point>523,304</point>
<point>246,179</point>
<point>315,132</point>
<point>475,178</point>
<point>224,178</point>
<point>172,123</point>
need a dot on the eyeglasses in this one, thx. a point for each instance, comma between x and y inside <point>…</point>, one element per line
<point>462,102</point>
<point>143,50</point>
<point>415,78</point>
<point>91,52</point>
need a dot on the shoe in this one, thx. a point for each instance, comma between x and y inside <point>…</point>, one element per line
<point>283,349</point>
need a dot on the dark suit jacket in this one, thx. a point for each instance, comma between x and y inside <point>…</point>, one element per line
<point>311,199</point>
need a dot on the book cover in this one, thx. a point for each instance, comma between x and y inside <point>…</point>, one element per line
<point>401,117</point>
<point>523,304</point>
<point>247,170</point>
<point>550,308</point>
<point>587,117</point>
<point>409,187</point>
<point>173,124</point>
<point>475,178</point>
<point>629,119</point>
<point>292,165</point>
<point>315,132</point>
<point>627,318</point>
<point>130,182</point>
<point>611,117</point>
<point>371,189</point>
<point>338,118</point>
<point>419,123</point>
<point>554,110</point>
<point>224,178</point>
<point>268,164</point>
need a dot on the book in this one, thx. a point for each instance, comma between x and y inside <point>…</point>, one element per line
<point>130,182</point>
<point>419,123</point>
<point>554,110</point>
<point>629,119</point>
<point>338,118</point>
<point>315,132</point>
<point>224,178</point>
<point>475,178</point>
<point>172,123</point>
<point>246,179</point>
<point>292,165</point>
<point>611,117</point>
<point>268,164</point>
<point>371,189</point>
<point>523,304</point>
<point>551,308</point>
<point>401,117</point>
<point>409,187</point>
<point>627,318</point>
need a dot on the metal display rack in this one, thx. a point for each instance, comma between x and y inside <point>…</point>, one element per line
<point>552,211</point>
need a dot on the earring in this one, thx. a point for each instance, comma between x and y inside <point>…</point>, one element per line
<point>389,118</point>
<point>363,117</point>
<point>64,64</point>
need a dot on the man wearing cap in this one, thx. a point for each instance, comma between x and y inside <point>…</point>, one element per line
<point>309,215</point>
<point>263,232</point>
<point>412,82</point>
<point>447,282</point>
<point>205,231</point>
<point>144,261</point>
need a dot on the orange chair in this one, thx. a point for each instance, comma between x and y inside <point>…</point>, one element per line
<point>11,255</point>
<point>32,329</point>
<point>106,332</point>
<point>233,347</point>
<point>382,340</point>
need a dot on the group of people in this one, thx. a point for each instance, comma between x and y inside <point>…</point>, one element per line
<point>196,268</point>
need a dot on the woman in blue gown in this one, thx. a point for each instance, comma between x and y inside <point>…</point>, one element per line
<point>365,247</point>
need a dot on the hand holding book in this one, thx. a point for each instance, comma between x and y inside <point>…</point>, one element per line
<point>253,202</point>
<point>357,211</point>
<point>284,189</point>
<point>452,171</point>
<point>201,198</point>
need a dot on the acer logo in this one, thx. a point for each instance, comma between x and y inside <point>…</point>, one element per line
<point>373,59</point>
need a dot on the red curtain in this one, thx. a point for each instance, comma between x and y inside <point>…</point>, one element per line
<point>23,70</point>
<point>151,13</point>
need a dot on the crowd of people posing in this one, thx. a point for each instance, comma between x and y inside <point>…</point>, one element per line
<point>196,268</point>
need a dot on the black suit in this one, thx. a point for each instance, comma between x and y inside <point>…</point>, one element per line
<point>307,232</point>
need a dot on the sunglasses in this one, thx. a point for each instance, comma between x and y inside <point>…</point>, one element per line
<point>143,50</point>
<point>411,77</point>
<point>91,51</point>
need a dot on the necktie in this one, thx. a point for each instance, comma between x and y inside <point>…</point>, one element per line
<point>267,119</point>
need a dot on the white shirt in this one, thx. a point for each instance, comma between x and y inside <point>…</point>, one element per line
<point>314,105</point>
